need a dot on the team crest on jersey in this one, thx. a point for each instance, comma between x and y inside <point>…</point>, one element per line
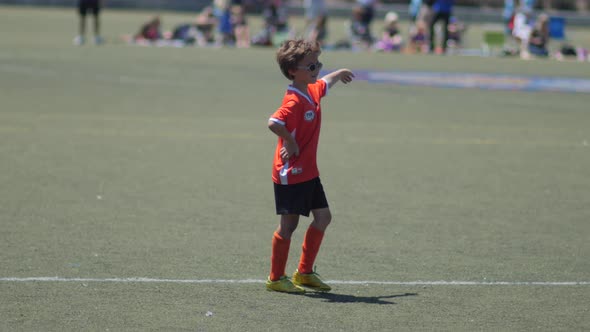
<point>309,115</point>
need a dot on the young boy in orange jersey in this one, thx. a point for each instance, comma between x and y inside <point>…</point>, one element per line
<point>297,187</point>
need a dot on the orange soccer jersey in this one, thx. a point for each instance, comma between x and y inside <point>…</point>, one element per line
<point>302,117</point>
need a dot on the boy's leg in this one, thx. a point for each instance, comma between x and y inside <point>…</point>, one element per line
<point>304,275</point>
<point>281,242</point>
<point>313,239</point>
<point>277,281</point>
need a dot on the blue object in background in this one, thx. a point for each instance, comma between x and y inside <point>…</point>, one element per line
<point>557,27</point>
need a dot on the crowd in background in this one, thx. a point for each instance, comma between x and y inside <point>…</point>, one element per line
<point>224,23</point>
<point>433,28</point>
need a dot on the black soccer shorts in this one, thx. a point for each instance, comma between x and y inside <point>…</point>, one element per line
<point>300,198</point>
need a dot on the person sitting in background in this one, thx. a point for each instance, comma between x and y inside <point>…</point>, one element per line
<point>540,36</point>
<point>418,41</point>
<point>275,23</point>
<point>569,51</point>
<point>391,39</point>
<point>184,34</point>
<point>205,23</point>
<point>240,24</point>
<point>150,31</point>
<point>200,31</point>
<point>522,32</point>
<point>456,30</point>
<point>359,33</point>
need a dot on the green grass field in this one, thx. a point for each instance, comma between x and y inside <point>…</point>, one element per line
<point>454,209</point>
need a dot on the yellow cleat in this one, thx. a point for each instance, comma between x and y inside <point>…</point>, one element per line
<point>283,285</point>
<point>310,280</point>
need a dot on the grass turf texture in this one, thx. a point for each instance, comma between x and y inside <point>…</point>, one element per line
<point>155,162</point>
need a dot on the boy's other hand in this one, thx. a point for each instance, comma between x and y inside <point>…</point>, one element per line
<point>289,150</point>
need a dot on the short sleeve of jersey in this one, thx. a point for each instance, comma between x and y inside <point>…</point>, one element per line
<point>291,102</point>
<point>284,112</point>
<point>319,89</point>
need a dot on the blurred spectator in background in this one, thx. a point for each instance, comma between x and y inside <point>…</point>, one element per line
<point>418,41</point>
<point>200,32</point>
<point>240,25</point>
<point>540,36</point>
<point>391,38</point>
<point>184,33</point>
<point>442,10</point>
<point>205,24</point>
<point>314,10</point>
<point>521,31</point>
<point>150,31</point>
<point>85,7</point>
<point>527,5</point>
<point>359,37</point>
<point>359,33</point>
<point>414,9</point>
<point>276,27</point>
<point>455,37</point>
<point>570,51</point>
<point>319,30</point>
<point>367,13</point>
<point>508,16</point>
<point>225,28</point>
<point>425,13</point>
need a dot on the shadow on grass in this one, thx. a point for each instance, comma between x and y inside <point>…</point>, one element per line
<point>346,298</point>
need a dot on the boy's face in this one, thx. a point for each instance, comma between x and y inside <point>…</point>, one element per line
<point>307,70</point>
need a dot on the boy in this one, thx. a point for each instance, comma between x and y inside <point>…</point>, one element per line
<point>92,6</point>
<point>297,186</point>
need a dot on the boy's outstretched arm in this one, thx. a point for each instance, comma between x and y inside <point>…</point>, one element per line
<point>344,75</point>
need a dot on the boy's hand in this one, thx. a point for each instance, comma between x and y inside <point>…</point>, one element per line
<point>289,150</point>
<point>341,75</point>
<point>346,76</point>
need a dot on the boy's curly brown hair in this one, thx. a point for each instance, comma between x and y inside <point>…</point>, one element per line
<point>292,51</point>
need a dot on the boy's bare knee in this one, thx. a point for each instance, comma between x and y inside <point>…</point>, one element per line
<point>326,219</point>
<point>288,225</point>
<point>322,218</point>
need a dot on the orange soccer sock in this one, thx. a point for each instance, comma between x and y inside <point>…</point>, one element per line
<point>279,256</point>
<point>311,247</point>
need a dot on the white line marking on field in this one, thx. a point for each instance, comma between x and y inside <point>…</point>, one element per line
<point>336,282</point>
